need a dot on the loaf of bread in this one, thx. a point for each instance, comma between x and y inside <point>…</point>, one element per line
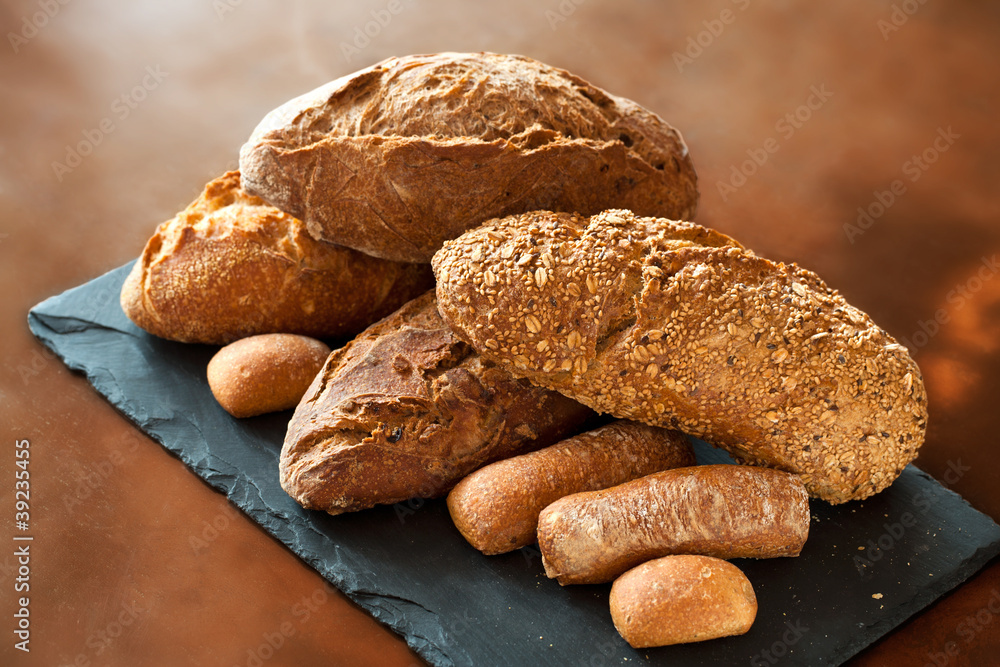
<point>726,511</point>
<point>396,158</point>
<point>406,410</point>
<point>264,373</point>
<point>681,599</point>
<point>678,326</point>
<point>496,508</point>
<point>230,266</point>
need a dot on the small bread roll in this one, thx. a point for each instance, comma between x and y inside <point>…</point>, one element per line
<point>265,373</point>
<point>681,599</point>
<point>496,508</point>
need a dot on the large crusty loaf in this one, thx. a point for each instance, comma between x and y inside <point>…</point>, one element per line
<point>678,326</point>
<point>496,508</point>
<point>725,511</point>
<point>396,158</point>
<point>680,599</point>
<point>405,410</point>
<point>230,266</point>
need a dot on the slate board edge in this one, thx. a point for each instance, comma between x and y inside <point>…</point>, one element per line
<point>423,646</point>
<point>923,599</point>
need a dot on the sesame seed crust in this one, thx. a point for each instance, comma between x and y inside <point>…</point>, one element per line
<point>676,325</point>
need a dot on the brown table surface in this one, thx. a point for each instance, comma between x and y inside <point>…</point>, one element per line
<point>115,577</point>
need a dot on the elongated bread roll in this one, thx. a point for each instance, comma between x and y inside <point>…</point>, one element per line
<point>725,511</point>
<point>406,410</point>
<point>678,326</point>
<point>680,599</point>
<point>496,508</point>
<point>397,157</point>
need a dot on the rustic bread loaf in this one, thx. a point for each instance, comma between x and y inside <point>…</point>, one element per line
<point>725,511</point>
<point>230,266</point>
<point>396,158</point>
<point>680,599</point>
<point>264,373</point>
<point>496,508</point>
<point>678,326</point>
<point>405,410</point>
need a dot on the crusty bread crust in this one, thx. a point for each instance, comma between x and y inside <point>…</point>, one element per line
<point>406,410</point>
<point>680,599</point>
<point>725,511</point>
<point>230,266</point>
<point>496,508</point>
<point>674,325</point>
<point>396,158</point>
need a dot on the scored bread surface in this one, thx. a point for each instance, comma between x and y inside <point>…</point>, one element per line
<point>396,158</point>
<point>407,409</point>
<point>230,266</point>
<point>678,326</point>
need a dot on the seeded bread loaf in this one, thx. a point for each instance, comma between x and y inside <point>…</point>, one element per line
<point>725,511</point>
<point>678,326</point>
<point>230,266</point>
<point>396,158</point>
<point>681,599</point>
<point>405,410</point>
<point>496,508</point>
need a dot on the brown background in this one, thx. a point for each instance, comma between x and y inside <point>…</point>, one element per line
<point>116,577</point>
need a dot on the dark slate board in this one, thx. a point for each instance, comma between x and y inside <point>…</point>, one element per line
<point>409,567</point>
